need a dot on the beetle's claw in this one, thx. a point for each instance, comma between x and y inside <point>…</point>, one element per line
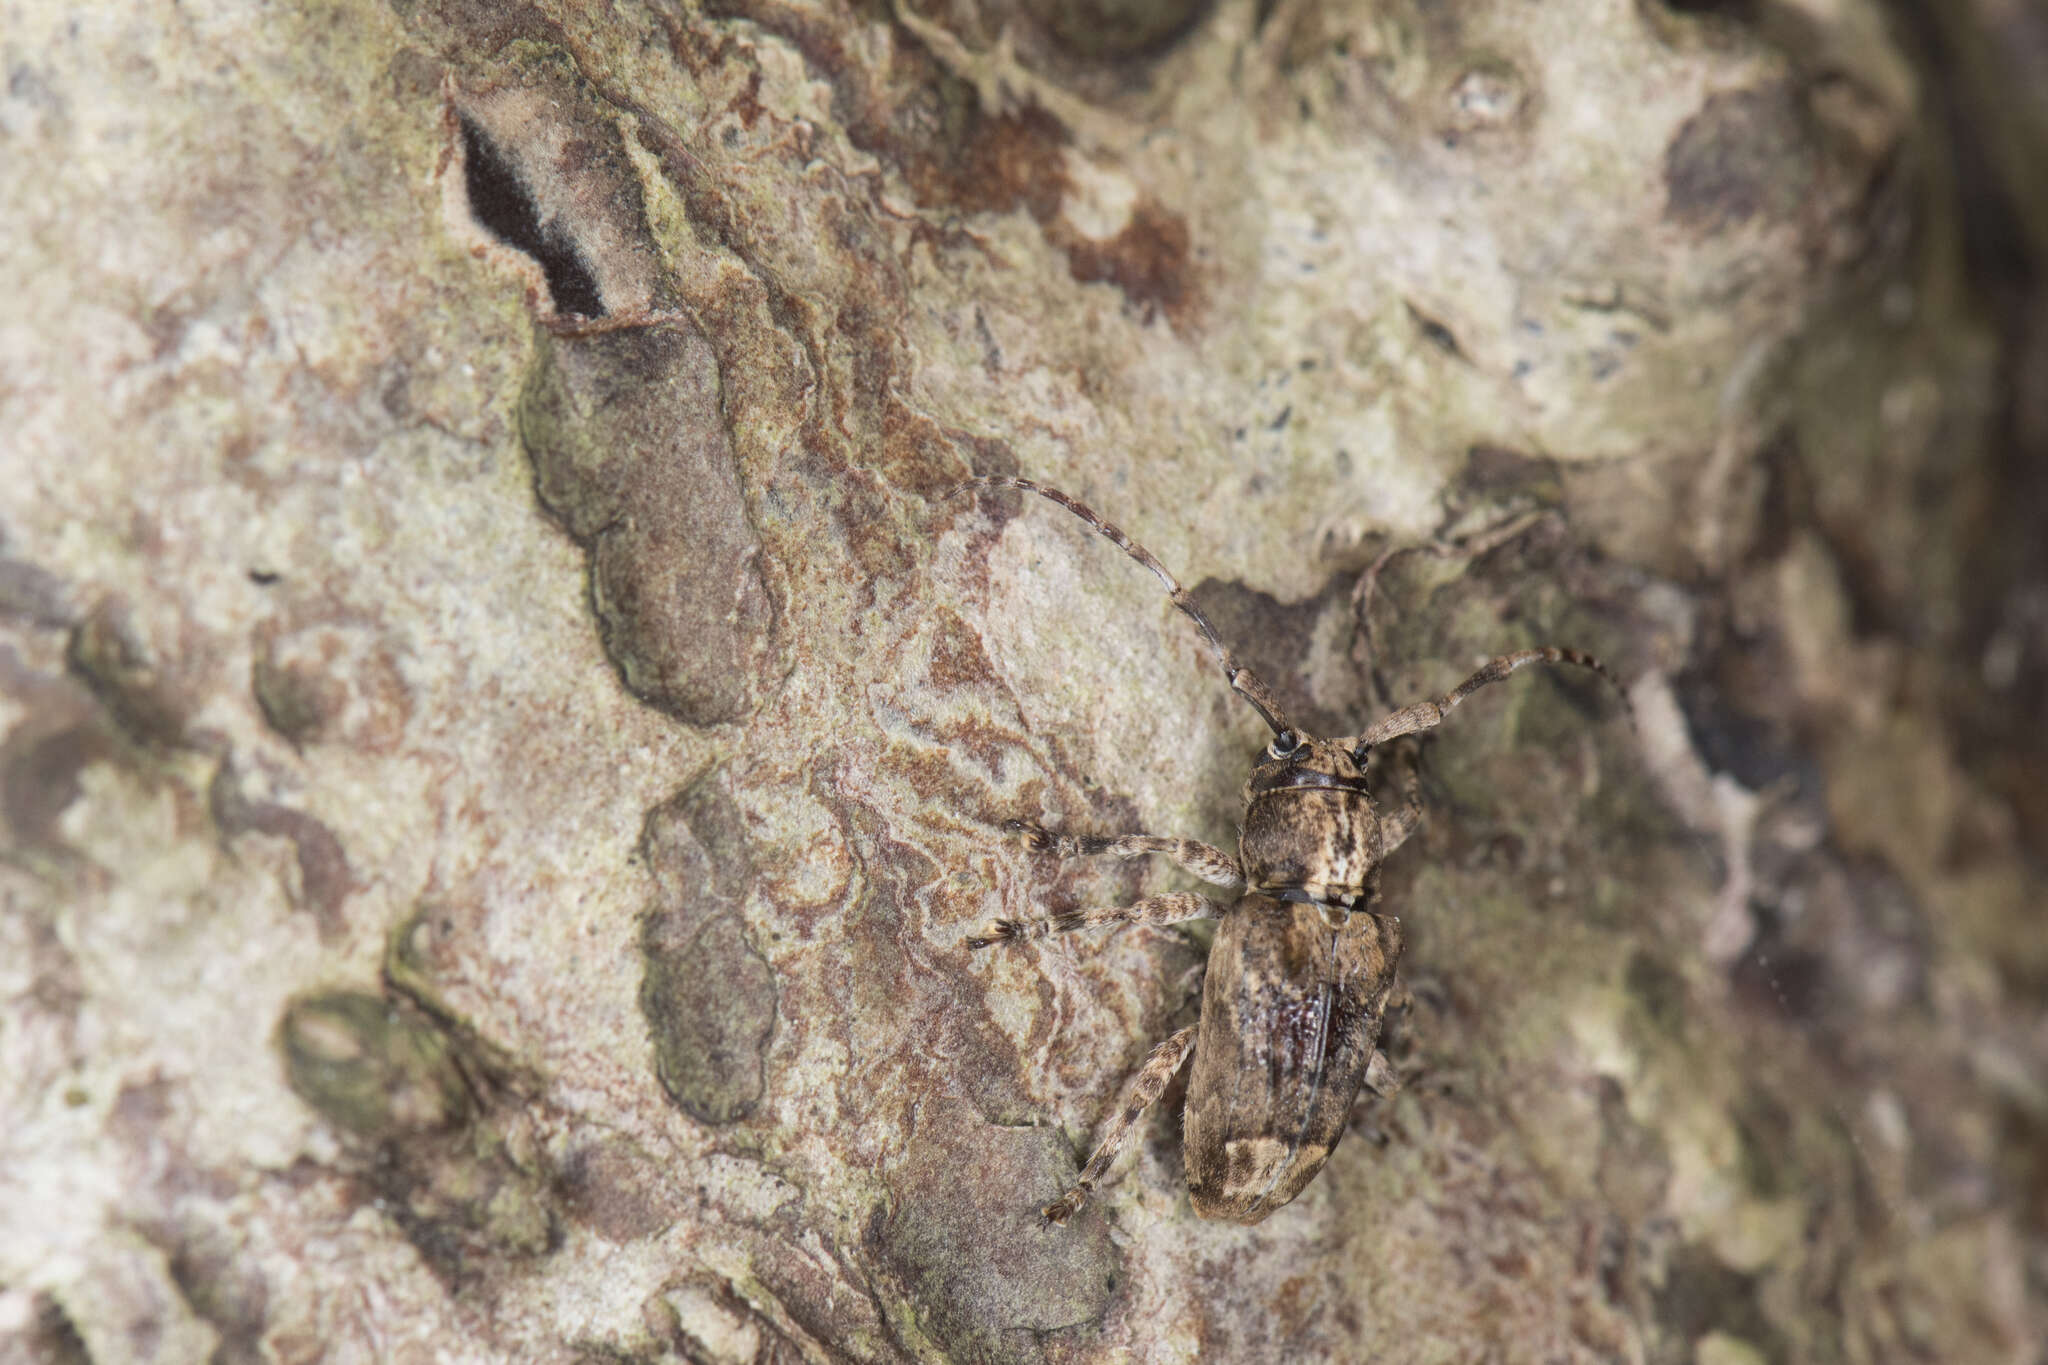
<point>1002,931</point>
<point>1066,1206</point>
<point>1034,836</point>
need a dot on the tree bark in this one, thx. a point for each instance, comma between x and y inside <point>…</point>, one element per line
<point>507,728</point>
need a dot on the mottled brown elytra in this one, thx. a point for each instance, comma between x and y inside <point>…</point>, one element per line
<point>1302,970</point>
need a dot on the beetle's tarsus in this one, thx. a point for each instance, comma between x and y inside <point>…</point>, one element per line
<point>1066,1206</point>
<point>1034,836</point>
<point>1002,931</point>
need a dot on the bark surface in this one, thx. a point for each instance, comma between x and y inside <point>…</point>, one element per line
<point>504,733</point>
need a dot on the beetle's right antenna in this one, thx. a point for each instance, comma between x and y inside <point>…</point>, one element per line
<point>1427,715</point>
<point>1242,680</point>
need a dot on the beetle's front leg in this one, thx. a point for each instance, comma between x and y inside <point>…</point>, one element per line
<point>1141,1092</point>
<point>1396,825</point>
<point>1170,908</point>
<point>1206,861</point>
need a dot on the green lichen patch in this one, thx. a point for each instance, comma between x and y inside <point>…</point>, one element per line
<point>1700,1295</point>
<point>1116,30</point>
<point>399,1088</point>
<point>123,671</point>
<point>370,1068</point>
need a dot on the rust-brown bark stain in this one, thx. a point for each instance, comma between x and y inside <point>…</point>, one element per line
<point>891,928</point>
<point>954,154</point>
<point>1148,260</point>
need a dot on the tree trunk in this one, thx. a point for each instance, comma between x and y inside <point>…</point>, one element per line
<point>508,729</point>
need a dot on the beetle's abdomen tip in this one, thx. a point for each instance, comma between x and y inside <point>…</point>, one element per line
<point>1260,1174</point>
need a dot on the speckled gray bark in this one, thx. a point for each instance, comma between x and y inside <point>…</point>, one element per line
<point>503,734</point>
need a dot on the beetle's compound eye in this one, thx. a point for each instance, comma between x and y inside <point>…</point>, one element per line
<point>1358,755</point>
<point>1284,743</point>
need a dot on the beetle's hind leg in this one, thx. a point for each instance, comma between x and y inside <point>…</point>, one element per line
<point>1141,1092</point>
<point>1170,908</point>
<point>1206,861</point>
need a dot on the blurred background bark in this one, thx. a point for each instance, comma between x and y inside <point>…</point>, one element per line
<point>505,734</point>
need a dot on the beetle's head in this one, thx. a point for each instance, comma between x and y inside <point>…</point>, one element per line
<point>1309,832</point>
<point>1295,760</point>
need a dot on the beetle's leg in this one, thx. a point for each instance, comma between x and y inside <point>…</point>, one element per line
<point>1398,824</point>
<point>1170,908</point>
<point>1141,1092</point>
<point>1381,1078</point>
<point>1206,861</point>
<point>1427,715</point>
<point>1382,1082</point>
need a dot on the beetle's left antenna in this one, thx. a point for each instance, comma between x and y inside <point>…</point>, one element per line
<point>1242,680</point>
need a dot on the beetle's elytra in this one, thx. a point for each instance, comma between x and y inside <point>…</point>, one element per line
<point>1302,970</point>
<point>1291,1015</point>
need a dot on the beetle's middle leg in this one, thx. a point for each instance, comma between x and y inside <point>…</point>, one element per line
<point>1170,908</point>
<point>1206,861</point>
<point>1141,1092</point>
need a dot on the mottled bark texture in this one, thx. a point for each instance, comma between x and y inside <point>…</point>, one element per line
<point>503,734</point>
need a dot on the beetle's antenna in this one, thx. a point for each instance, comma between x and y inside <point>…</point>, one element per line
<point>1242,680</point>
<point>1427,715</point>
